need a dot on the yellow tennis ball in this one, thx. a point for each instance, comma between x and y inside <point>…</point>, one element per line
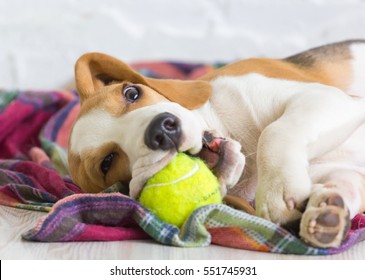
<point>185,184</point>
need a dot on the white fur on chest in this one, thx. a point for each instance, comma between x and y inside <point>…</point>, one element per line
<point>246,104</point>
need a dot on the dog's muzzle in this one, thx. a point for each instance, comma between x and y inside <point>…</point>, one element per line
<point>163,133</point>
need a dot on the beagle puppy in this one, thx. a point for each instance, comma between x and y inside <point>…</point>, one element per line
<point>287,135</point>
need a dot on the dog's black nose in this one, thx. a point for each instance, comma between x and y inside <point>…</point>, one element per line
<point>163,133</point>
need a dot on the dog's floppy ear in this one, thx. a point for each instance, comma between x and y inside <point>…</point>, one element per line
<point>95,70</point>
<point>189,94</point>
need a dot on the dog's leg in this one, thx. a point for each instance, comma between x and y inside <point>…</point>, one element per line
<point>313,123</point>
<point>337,198</point>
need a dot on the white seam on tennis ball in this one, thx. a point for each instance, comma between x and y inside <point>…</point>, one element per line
<point>186,176</point>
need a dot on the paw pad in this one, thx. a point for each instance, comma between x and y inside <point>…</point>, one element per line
<point>327,224</point>
<point>324,227</point>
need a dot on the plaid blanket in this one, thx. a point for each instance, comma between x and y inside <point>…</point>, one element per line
<point>34,175</point>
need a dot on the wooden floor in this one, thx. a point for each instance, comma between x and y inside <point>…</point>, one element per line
<point>13,222</point>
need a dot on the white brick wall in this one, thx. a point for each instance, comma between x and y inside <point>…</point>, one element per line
<point>41,39</point>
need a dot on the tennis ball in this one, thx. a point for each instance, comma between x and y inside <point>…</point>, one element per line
<point>185,184</point>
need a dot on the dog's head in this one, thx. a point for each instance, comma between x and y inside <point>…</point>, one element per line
<point>130,126</point>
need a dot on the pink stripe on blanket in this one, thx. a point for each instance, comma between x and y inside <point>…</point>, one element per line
<point>103,233</point>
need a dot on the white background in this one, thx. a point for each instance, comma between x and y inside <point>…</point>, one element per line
<point>265,269</point>
<point>40,40</point>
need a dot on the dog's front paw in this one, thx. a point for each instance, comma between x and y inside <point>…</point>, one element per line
<point>274,208</point>
<point>279,201</point>
<point>325,221</point>
<point>223,156</point>
<point>230,167</point>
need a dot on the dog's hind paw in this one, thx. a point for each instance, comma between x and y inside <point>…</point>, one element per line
<point>325,221</point>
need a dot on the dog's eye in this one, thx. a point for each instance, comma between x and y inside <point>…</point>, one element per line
<point>131,93</point>
<point>107,163</point>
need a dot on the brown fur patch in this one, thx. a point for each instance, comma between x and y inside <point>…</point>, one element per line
<point>329,65</point>
<point>268,67</point>
<point>333,62</point>
<point>86,172</point>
